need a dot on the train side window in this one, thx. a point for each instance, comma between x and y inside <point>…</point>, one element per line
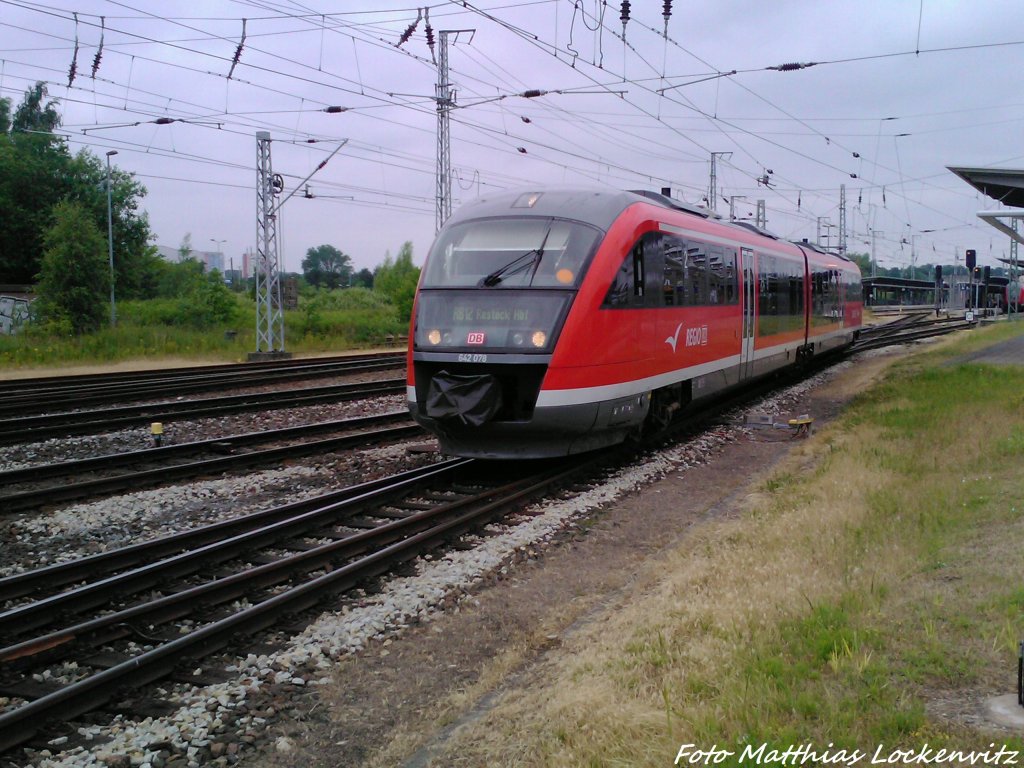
<point>697,273</point>
<point>627,287</point>
<point>721,275</point>
<point>674,273</point>
<point>620,292</point>
<point>638,270</point>
<point>630,286</point>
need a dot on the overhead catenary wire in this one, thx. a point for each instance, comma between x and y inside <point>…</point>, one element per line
<point>548,149</point>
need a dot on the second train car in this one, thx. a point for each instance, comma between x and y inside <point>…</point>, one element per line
<point>559,321</point>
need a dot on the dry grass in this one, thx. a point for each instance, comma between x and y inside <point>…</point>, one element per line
<point>876,571</point>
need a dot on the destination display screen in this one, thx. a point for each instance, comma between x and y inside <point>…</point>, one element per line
<point>523,321</point>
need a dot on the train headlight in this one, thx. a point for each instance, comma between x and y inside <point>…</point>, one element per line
<point>447,338</point>
<point>434,337</point>
<point>564,276</point>
<point>539,338</point>
<point>518,339</point>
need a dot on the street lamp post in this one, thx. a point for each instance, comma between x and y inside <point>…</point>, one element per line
<point>110,244</point>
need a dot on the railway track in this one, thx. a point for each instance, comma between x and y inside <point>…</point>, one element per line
<point>279,562</point>
<point>42,394</point>
<point>913,327</point>
<point>121,616</point>
<point>78,610</point>
<point>15,430</point>
<point>72,480</point>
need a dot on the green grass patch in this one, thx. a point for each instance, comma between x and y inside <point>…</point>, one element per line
<point>150,330</point>
<point>941,449</point>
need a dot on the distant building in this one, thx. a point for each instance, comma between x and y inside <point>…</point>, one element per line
<point>209,259</point>
<point>249,262</point>
<point>168,254</point>
<point>212,259</point>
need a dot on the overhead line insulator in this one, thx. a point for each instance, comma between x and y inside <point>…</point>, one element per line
<point>238,52</point>
<point>73,69</point>
<point>430,34</point>
<point>792,67</point>
<point>410,29</point>
<point>99,51</point>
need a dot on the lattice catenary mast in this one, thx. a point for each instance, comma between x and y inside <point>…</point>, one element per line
<point>444,146</point>
<point>269,314</point>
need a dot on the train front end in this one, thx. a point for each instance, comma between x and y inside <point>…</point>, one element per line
<point>494,293</point>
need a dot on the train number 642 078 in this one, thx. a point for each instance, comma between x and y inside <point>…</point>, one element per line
<point>466,357</point>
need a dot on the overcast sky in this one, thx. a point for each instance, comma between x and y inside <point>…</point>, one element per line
<point>900,90</point>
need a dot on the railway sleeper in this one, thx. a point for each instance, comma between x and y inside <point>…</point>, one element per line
<point>28,689</point>
<point>415,506</point>
<point>400,511</point>
<point>445,497</point>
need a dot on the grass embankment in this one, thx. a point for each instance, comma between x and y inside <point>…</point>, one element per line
<point>872,585</point>
<point>143,335</point>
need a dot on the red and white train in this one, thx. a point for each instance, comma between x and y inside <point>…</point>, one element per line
<point>559,321</point>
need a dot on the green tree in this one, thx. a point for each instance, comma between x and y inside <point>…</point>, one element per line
<point>325,266</point>
<point>398,279</point>
<point>210,302</point>
<point>33,115</point>
<point>364,278</point>
<point>176,280</point>
<point>37,171</point>
<point>135,261</point>
<point>5,115</point>
<point>185,249</point>
<point>74,281</point>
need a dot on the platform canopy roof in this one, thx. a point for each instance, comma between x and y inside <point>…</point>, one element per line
<point>1002,184</point>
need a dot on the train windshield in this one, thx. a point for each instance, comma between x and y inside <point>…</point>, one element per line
<point>510,253</point>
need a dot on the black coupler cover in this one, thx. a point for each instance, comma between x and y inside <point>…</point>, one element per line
<point>473,400</point>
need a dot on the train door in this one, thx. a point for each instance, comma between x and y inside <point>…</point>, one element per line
<point>749,309</point>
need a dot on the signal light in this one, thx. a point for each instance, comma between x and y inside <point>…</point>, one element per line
<point>972,258</point>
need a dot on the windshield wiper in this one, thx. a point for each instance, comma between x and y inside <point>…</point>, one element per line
<point>518,264</point>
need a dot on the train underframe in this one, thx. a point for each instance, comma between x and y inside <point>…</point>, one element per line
<point>517,427</point>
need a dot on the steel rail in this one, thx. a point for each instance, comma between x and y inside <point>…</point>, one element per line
<point>147,478</point>
<point>33,428</point>
<point>29,616</point>
<point>42,401</point>
<point>65,469</point>
<point>57,575</point>
<point>23,723</point>
<point>70,381</point>
<point>236,585</point>
<point>906,335</point>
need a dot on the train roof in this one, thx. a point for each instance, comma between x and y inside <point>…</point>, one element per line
<point>599,207</point>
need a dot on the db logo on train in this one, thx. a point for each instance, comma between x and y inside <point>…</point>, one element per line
<point>475,337</point>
